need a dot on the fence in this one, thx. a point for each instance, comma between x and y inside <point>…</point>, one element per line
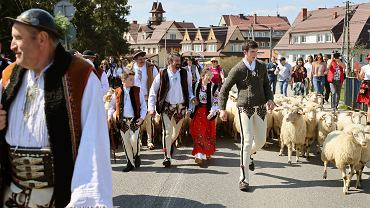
<point>352,86</point>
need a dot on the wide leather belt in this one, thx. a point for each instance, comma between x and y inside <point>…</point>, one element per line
<point>32,168</point>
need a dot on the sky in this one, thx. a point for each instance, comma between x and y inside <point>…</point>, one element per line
<point>208,12</point>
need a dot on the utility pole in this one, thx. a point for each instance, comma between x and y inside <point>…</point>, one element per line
<point>271,30</point>
<point>346,38</point>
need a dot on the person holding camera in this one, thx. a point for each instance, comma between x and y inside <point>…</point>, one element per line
<point>335,78</point>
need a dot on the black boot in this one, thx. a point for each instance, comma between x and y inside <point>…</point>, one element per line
<point>251,165</point>
<point>243,186</point>
<point>137,161</point>
<point>128,167</point>
<point>167,162</point>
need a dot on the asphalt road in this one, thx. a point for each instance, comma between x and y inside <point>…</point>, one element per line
<point>274,183</point>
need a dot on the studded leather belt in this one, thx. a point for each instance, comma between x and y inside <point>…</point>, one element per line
<point>31,167</point>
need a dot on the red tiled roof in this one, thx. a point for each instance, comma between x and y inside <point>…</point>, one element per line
<point>263,22</point>
<point>322,20</point>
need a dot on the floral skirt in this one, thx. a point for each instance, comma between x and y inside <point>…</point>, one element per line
<point>364,93</point>
<point>203,132</point>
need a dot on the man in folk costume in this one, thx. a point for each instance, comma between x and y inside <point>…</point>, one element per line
<point>145,72</point>
<point>193,71</point>
<point>54,138</point>
<point>130,109</point>
<point>170,95</point>
<point>254,91</point>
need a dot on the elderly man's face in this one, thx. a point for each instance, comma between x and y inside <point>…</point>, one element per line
<point>25,45</point>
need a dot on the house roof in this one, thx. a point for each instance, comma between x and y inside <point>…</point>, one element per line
<point>263,22</point>
<point>157,8</point>
<point>133,30</point>
<point>191,32</point>
<point>323,20</point>
<point>158,31</point>
<point>318,20</point>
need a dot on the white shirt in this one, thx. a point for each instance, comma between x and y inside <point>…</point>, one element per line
<point>284,72</point>
<point>92,175</point>
<point>197,76</point>
<point>366,70</point>
<point>308,67</point>
<point>174,95</point>
<point>103,79</point>
<point>252,66</point>
<point>144,77</point>
<point>104,83</point>
<point>119,72</point>
<point>128,111</point>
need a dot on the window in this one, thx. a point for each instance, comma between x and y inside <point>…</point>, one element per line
<point>328,38</point>
<point>303,38</point>
<point>369,34</point>
<point>186,47</point>
<point>143,36</point>
<point>154,51</point>
<point>236,48</point>
<point>212,48</point>
<point>320,38</point>
<point>198,48</point>
<point>295,39</point>
<point>173,36</point>
<point>262,44</point>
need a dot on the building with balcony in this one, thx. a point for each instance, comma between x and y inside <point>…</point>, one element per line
<point>321,31</point>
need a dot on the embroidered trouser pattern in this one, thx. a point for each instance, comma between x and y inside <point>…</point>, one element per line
<point>172,119</point>
<point>130,139</point>
<point>253,135</point>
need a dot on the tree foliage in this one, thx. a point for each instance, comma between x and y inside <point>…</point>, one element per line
<point>100,24</point>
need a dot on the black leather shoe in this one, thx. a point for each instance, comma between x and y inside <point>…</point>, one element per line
<point>128,167</point>
<point>243,186</point>
<point>167,162</point>
<point>137,161</point>
<point>251,165</point>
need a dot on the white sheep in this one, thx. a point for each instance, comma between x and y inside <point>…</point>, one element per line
<point>326,123</point>
<point>344,148</point>
<point>311,128</point>
<point>147,126</point>
<point>365,156</point>
<point>293,132</point>
<point>349,117</point>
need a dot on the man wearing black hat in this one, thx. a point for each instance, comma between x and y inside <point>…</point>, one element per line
<point>54,144</point>
<point>145,72</point>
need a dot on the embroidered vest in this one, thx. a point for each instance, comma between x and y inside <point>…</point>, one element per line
<point>65,82</point>
<point>211,89</point>
<point>164,88</point>
<point>135,102</point>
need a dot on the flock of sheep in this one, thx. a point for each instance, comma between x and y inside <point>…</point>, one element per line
<point>299,122</point>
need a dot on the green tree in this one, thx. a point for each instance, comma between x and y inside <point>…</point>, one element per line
<point>100,24</point>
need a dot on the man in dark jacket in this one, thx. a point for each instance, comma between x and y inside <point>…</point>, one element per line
<point>254,95</point>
